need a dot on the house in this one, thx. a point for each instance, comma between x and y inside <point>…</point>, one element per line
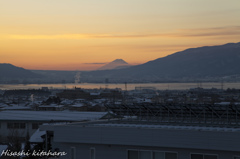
<point>19,123</point>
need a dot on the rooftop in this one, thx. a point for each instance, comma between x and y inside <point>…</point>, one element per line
<point>49,115</point>
<point>115,123</point>
<point>159,126</point>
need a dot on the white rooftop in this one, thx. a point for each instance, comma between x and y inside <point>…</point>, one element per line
<point>3,147</point>
<point>37,136</point>
<point>50,115</point>
<point>77,105</point>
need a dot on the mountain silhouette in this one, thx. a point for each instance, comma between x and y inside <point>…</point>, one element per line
<point>116,64</point>
<point>208,62</point>
<point>11,72</point>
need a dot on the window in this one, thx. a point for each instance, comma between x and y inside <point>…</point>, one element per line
<point>22,125</point>
<point>158,155</point>
<point>170,155</point>
<point>203,156</point>
<point>16,125</point>
<point>92,153</point>
<point>210,156</point>
<point>132,154</point>
<point>73,153</point>
<point>196,156</point>
<point>144,154</point>
<point>10,125</point>
<point>35,125</point>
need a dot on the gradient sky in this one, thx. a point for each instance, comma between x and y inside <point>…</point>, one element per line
<point>84,34</point>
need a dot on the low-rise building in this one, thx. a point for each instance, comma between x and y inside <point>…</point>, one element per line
<point>21,123</point>
<point>144,140</point>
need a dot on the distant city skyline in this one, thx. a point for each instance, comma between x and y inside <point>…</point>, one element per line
<point>85,35</point>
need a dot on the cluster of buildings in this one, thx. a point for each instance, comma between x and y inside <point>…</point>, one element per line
<point>144,123</point>
<point>95,99</point>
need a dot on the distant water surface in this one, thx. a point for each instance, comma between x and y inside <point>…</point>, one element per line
<point>123,86</point>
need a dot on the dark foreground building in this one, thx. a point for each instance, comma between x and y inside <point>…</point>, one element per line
<point>207,132</point>
<point>129,140</point>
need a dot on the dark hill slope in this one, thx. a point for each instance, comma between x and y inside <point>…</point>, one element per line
<point>203,62</point>
<point>8,71</point>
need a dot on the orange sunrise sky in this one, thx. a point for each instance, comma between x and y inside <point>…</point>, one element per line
<point>83,35</point>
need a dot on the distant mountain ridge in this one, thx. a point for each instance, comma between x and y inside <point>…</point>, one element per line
<point>194,63</point>
<point>208,63</point>
<point>116,64</point>
<point>10,72</point>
